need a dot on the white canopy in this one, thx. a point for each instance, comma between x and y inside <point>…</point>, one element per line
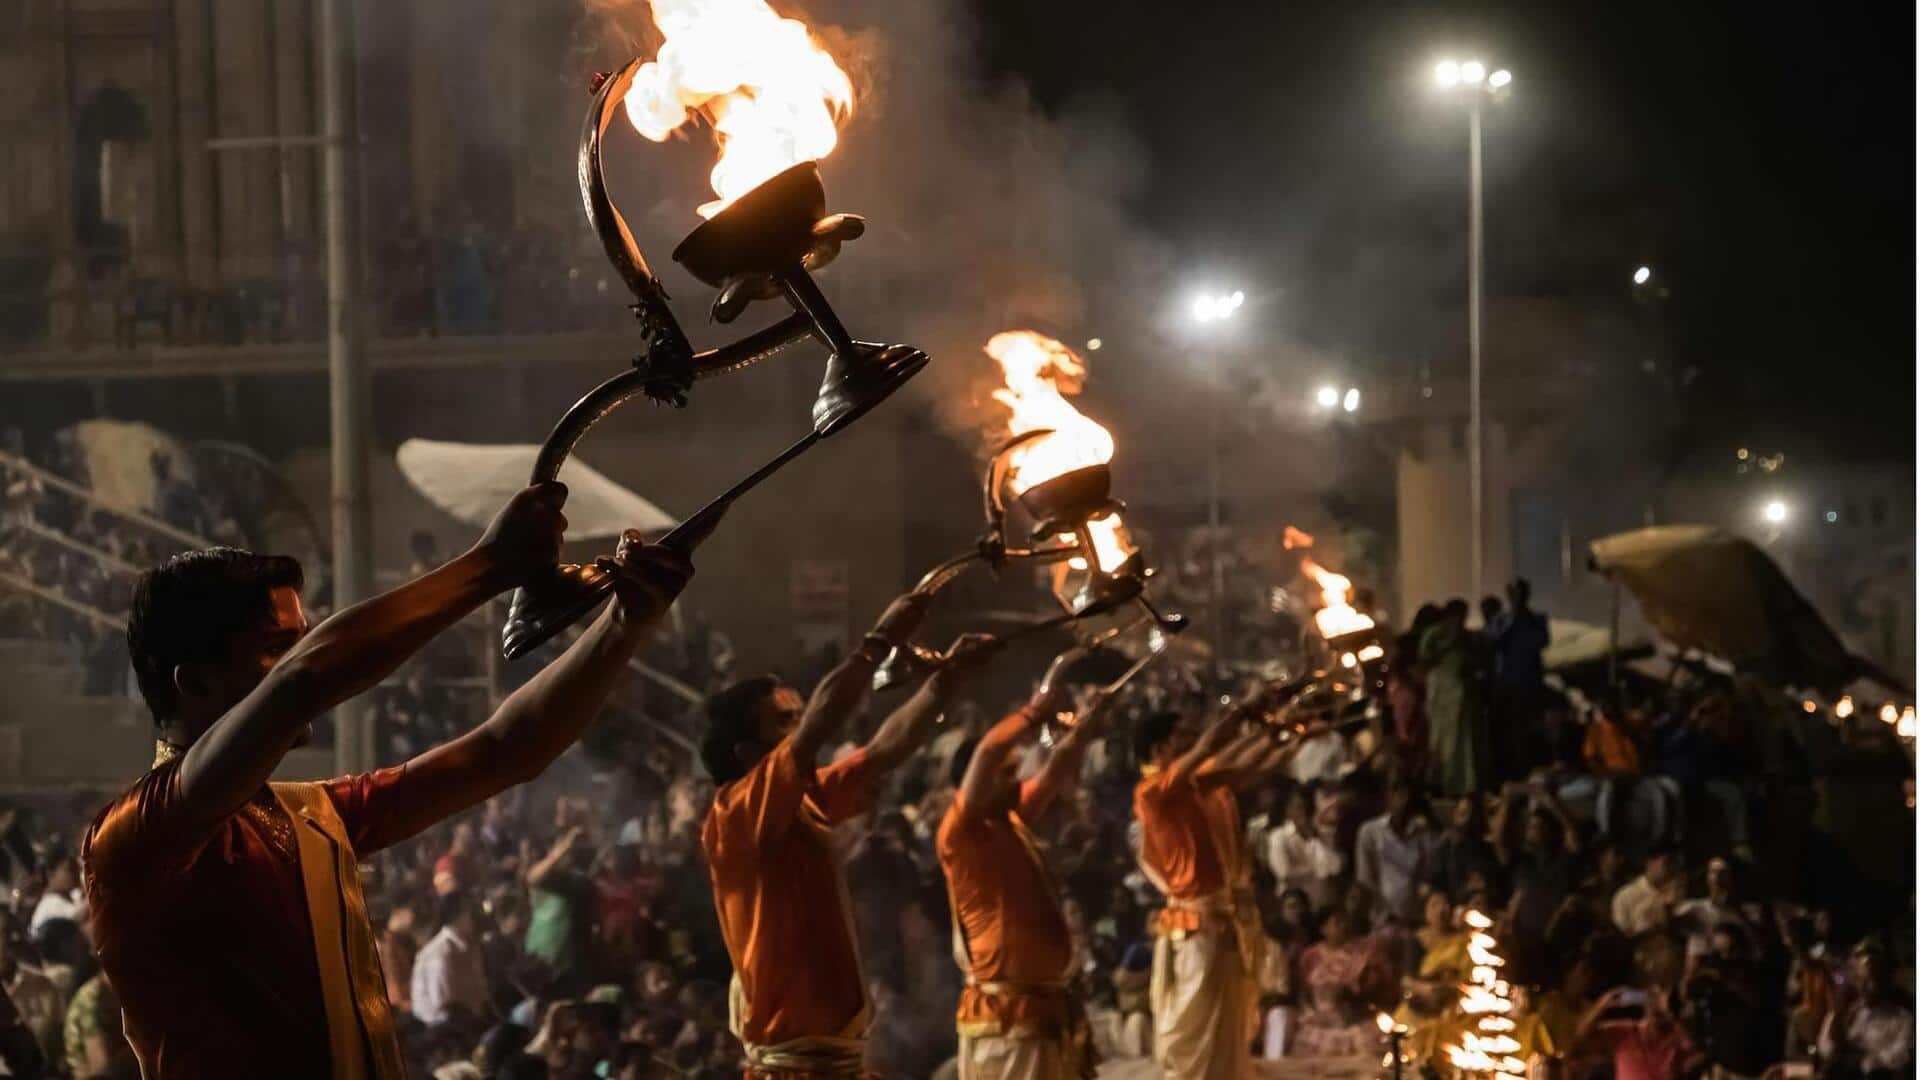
<point>472,481</point>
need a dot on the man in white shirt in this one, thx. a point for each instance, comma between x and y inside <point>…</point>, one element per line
<point>449,972</point>
<point>1646,902</point>
<point>1390,857</point>
<point>1299,856</point>
<point>1872,1029</point>
<point>1699,916</point>
<point>62,898</point>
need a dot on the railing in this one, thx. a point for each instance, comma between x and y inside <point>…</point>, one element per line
<point>58,599</point>
<point>86,495</point>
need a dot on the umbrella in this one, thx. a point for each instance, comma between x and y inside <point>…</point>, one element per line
<point>472,481</point>
<point>1705,589</point>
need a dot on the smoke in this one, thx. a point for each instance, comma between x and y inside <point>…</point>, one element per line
<point>984,211</point>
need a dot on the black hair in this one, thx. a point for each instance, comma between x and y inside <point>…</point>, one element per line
<point>192,607</point>
<point>1151,732</point>
<point>731,714</point>
<point>454,904</point>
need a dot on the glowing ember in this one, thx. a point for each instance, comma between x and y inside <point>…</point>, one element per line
<point>1337,614</point>
<point>1039,373</point>
<point>774,97</point>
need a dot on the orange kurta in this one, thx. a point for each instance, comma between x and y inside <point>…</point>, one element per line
<point>204,932</point>
<point>1190,841</point>
<point>1017,950</point>
<point>780,897</point>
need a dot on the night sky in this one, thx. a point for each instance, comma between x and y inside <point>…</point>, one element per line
<point>1760,159</point>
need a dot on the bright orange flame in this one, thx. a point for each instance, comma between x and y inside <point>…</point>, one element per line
<point>774,96</point>
<point>1337,615</point>
<point>1039,373</point>
<point>1488,1047</point>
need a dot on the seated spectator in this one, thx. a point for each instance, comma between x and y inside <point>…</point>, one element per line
<point>1647,902</point>
<point>1442,963</point>
<point>1390,856</point>
<point>1733,1007</point>
<point>1640,1030</point>
<point>95,1044</point>
<point>62,898</point>
<point>1870,1031</point>
<point>449,974</point>
<point>1462,850</point>
<point>1300,856</point>
<point>1700,916</point>
<point>1344,980</point>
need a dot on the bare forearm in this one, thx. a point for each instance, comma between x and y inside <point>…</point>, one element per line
<point>908,727</point>
<point>354,650</point>
<point>539,721</point>
<point>1062,767</point>
<point>833,701</point>
<point>1000,740</point>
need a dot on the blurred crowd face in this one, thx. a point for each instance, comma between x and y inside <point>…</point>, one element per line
<point>1439,912</point>
<point>1719,881</point>
<point>1661,868</point>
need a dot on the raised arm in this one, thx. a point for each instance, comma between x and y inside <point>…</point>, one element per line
<point>908,727</point>
<point>356,649</point>
<point>841,692</point>
<point>986,771</point>
<point>540,720</point>
<point>1062,766</point>
<point>556,857</point>
<point>1217,737</point>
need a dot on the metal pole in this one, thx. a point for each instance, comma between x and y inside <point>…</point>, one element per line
<point>346,364</point>
<point>1476,466</point>
<point>1216,586</point>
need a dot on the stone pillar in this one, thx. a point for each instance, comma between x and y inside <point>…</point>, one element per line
<point>193,89</point>
<point>1436,542</point>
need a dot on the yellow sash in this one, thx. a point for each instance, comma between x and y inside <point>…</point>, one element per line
<point>359,1020</point>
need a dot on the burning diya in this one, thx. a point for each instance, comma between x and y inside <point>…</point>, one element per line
<point>773,98</point>
<point>1056,467</point>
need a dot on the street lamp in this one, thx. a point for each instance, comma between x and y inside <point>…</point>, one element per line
<point>1472,79</point>
<point>1643,275</point>
<point>1210,309</point>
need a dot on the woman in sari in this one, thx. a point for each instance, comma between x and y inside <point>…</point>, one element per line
<point>1456,716</point>
<point>1344,979</point>
<point>1435,987</point>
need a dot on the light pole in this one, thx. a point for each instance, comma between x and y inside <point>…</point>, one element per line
<point>1208,309</point>
<point>1472,79</point>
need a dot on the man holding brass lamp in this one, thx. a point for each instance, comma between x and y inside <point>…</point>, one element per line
<point>1018,1017</point>
<point>799,1001</point>
<point>228,914</point>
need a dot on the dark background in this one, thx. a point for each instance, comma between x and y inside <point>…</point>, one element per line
<point>1759,158</point>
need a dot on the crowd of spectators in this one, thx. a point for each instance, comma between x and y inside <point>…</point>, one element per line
<point>1655,918</point>
<point>70,547</point>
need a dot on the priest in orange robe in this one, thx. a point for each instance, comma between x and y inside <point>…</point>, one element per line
<point>1018,1018</point>
<point>799,1002</point>
<point>227,911</point>
<point>1207,939</point>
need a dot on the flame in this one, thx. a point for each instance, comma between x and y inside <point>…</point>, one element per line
<point>1488,1048</point>
<point>1294,538</point>
<point>1039,372</point>
<point>774,96</point>
<point>1336,616</point>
